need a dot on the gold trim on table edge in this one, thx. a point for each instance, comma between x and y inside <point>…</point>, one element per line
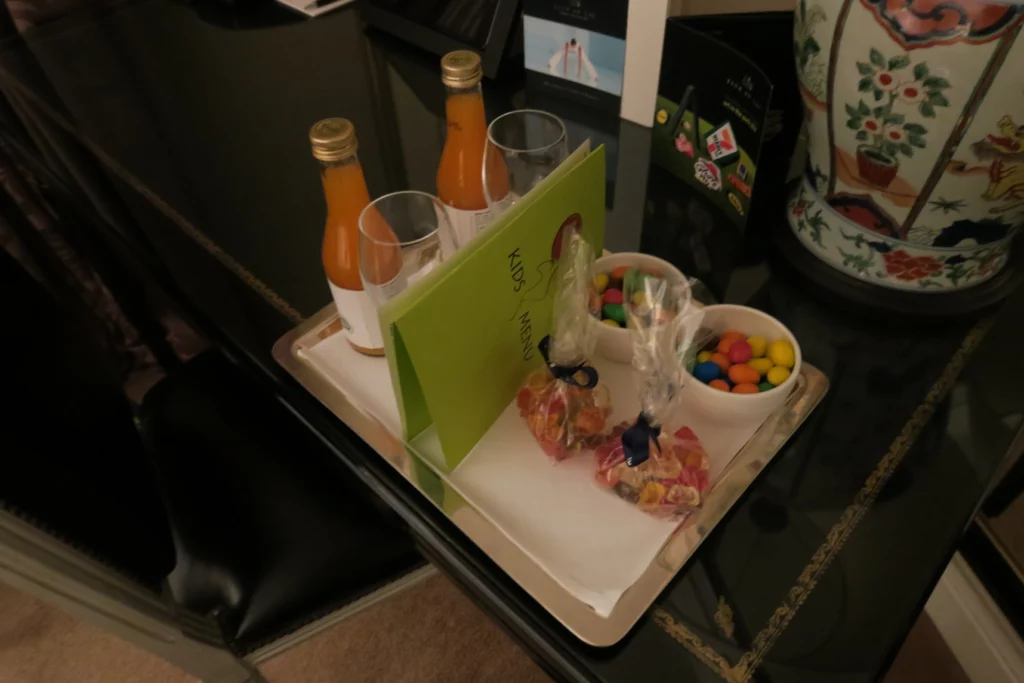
<point>724,618</point>
<point>837,535</point>
<point>822,558</point>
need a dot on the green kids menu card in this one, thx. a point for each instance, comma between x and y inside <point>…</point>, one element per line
<point>460,342</point>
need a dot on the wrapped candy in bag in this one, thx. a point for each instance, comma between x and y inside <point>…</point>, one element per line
<point>562,403</point>
<point>662,472</point>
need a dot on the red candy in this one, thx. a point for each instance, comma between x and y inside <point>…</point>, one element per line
<point>613,296</point>
<point>739,352</point>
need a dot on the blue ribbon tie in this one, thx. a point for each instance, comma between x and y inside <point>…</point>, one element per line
<point>567,373</point>
<point>636,441</point>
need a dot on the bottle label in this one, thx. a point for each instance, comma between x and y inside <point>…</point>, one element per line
<point>467,224</point>
<point>358,317</point>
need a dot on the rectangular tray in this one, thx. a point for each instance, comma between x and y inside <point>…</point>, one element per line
<point>574,614</point>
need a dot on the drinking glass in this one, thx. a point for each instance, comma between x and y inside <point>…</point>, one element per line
<point>522,148</point>
<point>402,237</point>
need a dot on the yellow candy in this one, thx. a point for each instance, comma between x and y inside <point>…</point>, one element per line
<point>762,365</point>
<point>703,356</point>
<point>639,299</point>
<point>781,353</point>
<point>601,282</point>
<point>758,346</point>
<point>609,322</point>
<point>778,375</point>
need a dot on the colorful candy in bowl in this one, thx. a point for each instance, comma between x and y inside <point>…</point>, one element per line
<point>747,366</point>
<point>608,304</point>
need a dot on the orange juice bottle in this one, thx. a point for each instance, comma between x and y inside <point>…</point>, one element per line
<point>334,145</point>
<point>459,179</point>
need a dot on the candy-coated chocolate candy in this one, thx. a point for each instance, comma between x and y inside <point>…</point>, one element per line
<point>719,384</point>
<point>745,388</point>
<point>618,272</point>
<point>612,296</point>
<point>722,360</point>
<point>629,282</point>
<point>778,375</point>
<point>762,365</point>
<point>639,298</point>
<point>739,351</point>
<point>781,353</point>
<point>601,282</point>
<point>615,312</point>
<point>744,374</point>
<point>707,371</point>
<point>758,346</point>
<point>765,386</point>
<point>703,356</point>
<point>724,343</point>
<point>732,334</point>
<point>610,323</point>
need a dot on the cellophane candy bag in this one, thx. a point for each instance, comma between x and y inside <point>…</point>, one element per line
<point>664,473</point>
<point>562,403</point>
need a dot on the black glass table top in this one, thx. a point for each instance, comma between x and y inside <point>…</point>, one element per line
<point>182,130</point>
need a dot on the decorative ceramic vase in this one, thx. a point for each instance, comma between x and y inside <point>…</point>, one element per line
<point>915,118</point>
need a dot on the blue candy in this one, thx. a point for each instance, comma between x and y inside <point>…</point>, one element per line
<point>707,371</point>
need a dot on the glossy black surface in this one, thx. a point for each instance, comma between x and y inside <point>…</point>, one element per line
<point>187,139</point>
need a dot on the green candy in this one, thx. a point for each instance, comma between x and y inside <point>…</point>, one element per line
<point>615,312</point>
<point>765,386</point>
<point>629,280</point>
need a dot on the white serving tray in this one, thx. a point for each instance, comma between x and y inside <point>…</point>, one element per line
<point>598,607</point>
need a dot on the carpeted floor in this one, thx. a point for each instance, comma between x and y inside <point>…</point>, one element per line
<point>429,634</point>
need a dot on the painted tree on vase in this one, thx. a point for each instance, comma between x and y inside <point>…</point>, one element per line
<point>916,171</point>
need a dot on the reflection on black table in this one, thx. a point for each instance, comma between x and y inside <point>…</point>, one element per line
<point>189,139</point>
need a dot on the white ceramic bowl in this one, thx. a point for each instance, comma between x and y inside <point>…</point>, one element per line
<point>615,343</point>
<point>720,406</point>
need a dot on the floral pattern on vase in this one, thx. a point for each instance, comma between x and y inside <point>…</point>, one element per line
<point>932,22</point>
<point>884,131</point>
<point>884,260</point>
<point>917,143</point>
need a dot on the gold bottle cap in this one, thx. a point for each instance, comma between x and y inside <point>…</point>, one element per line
<point>333,139</point>
<point>461,69</point>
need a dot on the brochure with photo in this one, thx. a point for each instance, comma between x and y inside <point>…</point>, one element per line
<point>576,49</point>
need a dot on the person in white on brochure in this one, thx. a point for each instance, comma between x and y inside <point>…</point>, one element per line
<point>573,48</point>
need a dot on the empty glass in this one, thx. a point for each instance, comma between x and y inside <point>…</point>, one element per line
<point>522,148</point>
<point>402,237</point>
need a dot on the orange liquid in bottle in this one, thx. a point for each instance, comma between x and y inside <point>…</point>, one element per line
<point>346,195</point>
<point>459,175</point>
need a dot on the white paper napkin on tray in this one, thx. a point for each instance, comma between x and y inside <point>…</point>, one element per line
<point>592,543</point>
